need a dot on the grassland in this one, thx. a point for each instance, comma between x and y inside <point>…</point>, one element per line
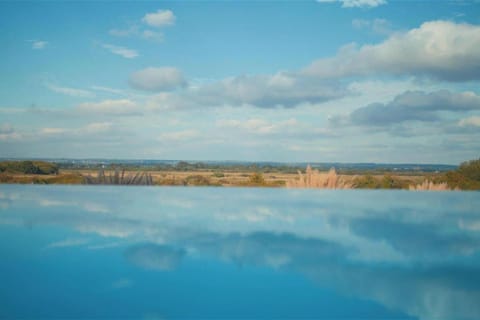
<point>465,177</point>
<point>188,174</point>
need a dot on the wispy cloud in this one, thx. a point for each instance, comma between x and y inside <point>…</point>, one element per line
<point>143,29</point>
<point>8,133</point>
<point>122,283</point>
<point>73,92</point>
<point>117,107</point>
<point>67,243</point>
<point>177,136</point>
<point>108,90</point>
<point>121,51</point>
<point>91,128</point>
<point>356,3</point>
<point>38,44</point>
<point>378,26</point>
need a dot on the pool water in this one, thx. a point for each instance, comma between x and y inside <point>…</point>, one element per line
<point>176,252</point>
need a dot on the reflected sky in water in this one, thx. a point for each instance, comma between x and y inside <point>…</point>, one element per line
<point>160,253</point>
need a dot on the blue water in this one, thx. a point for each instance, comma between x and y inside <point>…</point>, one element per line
<point>160,253</point>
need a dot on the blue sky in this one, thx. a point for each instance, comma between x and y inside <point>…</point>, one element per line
<point>348,81</point>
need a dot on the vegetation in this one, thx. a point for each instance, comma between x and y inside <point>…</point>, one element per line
<point>430,185</point>
<point>386,182</point>
<point>140,178</point>
<point>197,180</point>
<point>314,179</point>
<point>465,177</point>
<point>257,179</point>
<point>28,167</point>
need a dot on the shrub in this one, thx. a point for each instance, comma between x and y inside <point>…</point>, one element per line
<point>28,167</point>
<point>197,180</point>
<point>257,179</point>
<point>366,182</point>
<point>218,174</point>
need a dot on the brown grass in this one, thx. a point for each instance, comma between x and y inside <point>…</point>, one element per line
<point>431,186</point>
<point>319,180</point>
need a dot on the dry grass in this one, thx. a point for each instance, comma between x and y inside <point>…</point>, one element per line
<point>431,186</point>
<point>320,180</point>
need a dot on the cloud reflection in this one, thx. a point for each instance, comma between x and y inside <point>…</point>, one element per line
<point>414,252</point>
<point>155,257</point>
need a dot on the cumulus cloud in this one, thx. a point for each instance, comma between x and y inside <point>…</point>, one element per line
<point>263,91</point>
<point>121,51</point>
<point>415,105</point>
<point>160,18</point>
<point>119,107</point>
<point>157,79</point>
<point>438,49</point>
<point>356,3</point>
<point>73,92</point>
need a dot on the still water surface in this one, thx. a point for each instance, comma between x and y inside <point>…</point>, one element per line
<point>160,253</point>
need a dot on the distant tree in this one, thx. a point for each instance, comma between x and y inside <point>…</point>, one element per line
<point>466,177</point>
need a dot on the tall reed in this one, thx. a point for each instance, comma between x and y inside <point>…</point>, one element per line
<point>320,180</point>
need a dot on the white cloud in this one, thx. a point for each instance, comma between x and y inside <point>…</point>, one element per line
<point>108,90</point>
<point>130,31</point>
<point>73,92</point>
<point>6,129</point>
<point>159,18</point>
<point>155,257</point>
<point>178,136</point>
<point>97,127</point>
<point>379,26</point>
<point>91,128</point>
<point>136,31</point>
<point>7,133</point>
<point>118,107</point>
<point>152,35</point>
<point>438,49</point>
<point>356,3</point>
<point>473,121</point>
<point>122,283</point>
<point>121,51</point>
<point>38,44</point>
<point>52,131</point>
<point>290,128</point>
<point>67,243</point>
<point>157,79</point>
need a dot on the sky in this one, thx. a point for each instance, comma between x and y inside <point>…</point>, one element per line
<point>288,81</point>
